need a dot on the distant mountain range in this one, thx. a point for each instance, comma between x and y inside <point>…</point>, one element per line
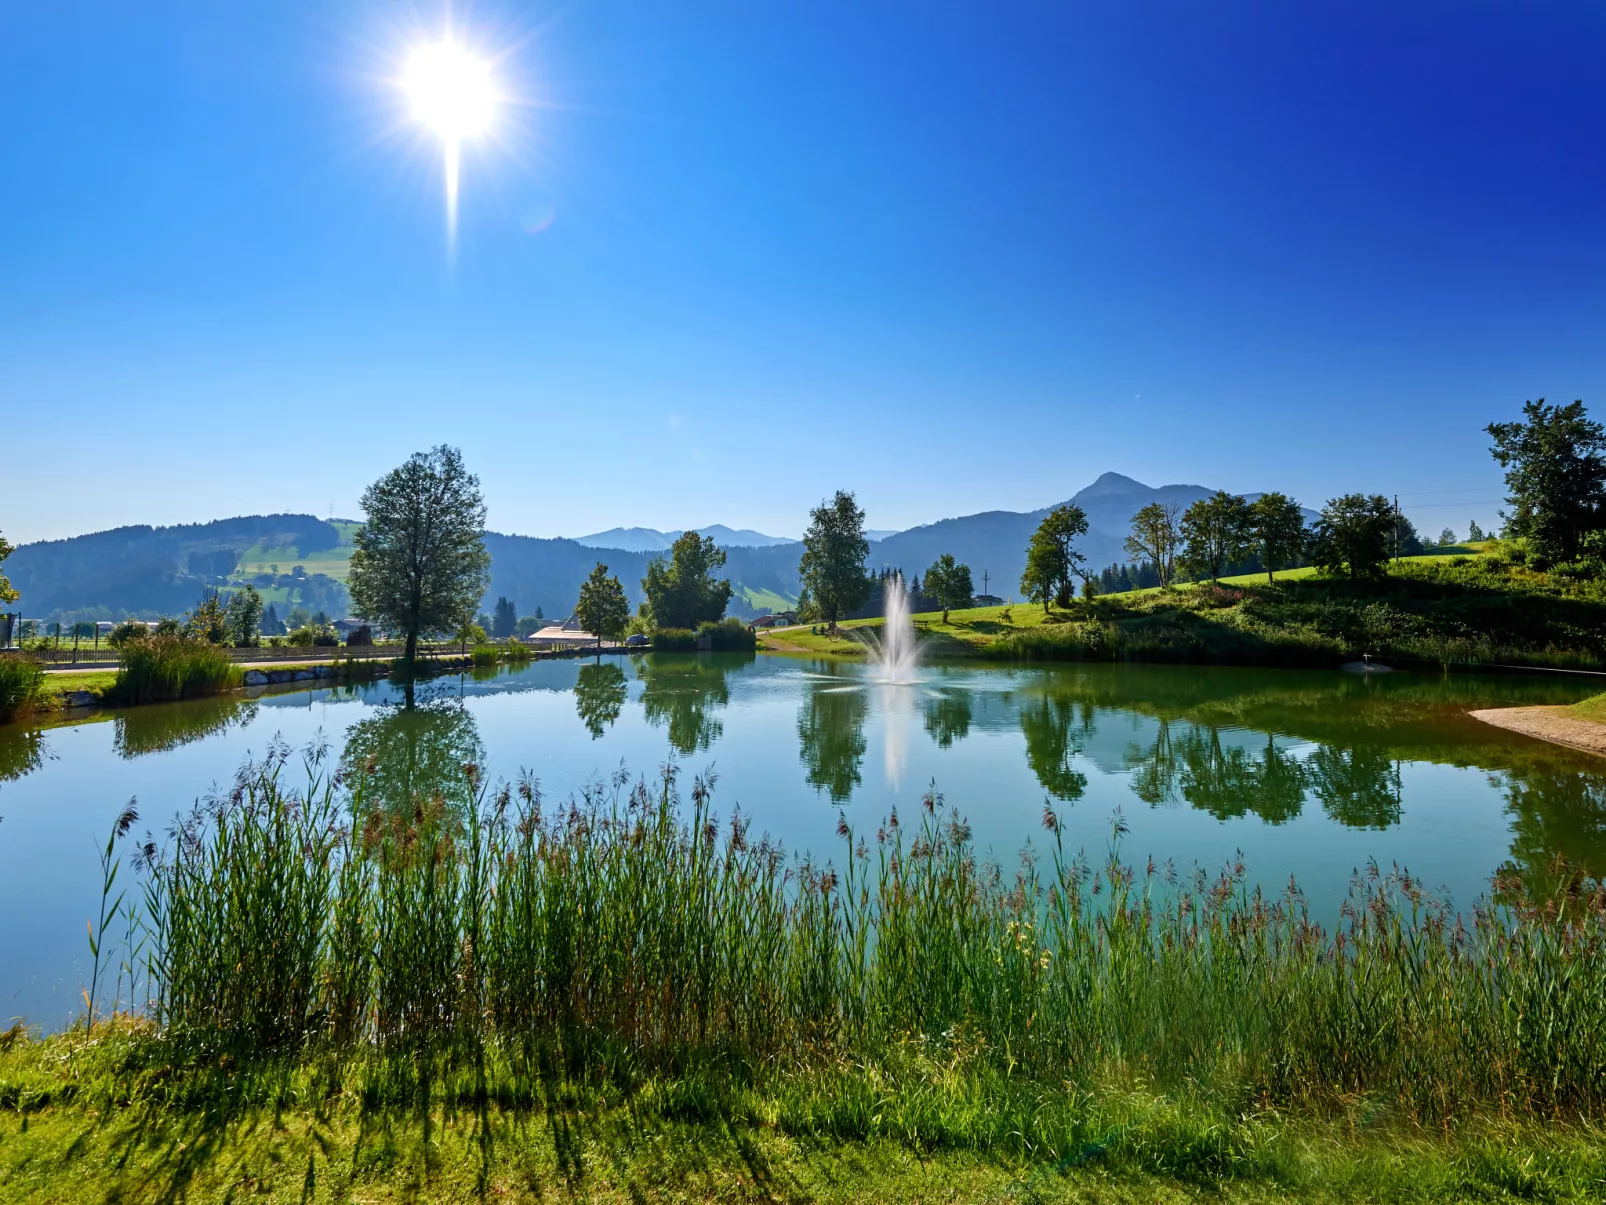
<point>648,539</point>
<point>164,570</point>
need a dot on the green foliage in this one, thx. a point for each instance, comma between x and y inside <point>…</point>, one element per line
<point>484,654</point>
<point>311,635</point>
<point>504,620</point>
<point>1354,536</point>
<point>681,592</point>
<point>8,593</point>
<point>129,629</point>
<point>602,608</point>
<point>527,626</point>
<point>209,621</point>
<point>832,567</point>
<point>727,636</point>
<point>164,667</point>
<point>470,633</point>
<point>674,640</point>
<point>949,583</point>
<point>1052,557</point>
<point>420,563</point>
<point>1474,532</point>
<point>1555,462</point>
<point>1277,529</point>
<point>243,616</point>
<point>22,685</point>
<point>1215,531</point>
<point>1156,538</point>
<point>625,935</point>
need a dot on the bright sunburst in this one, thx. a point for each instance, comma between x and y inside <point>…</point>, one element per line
<point>454,95</point>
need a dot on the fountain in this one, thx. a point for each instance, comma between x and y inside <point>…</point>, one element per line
<point>895,650</point>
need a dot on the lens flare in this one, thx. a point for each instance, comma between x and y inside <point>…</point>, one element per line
<point>454,96</point>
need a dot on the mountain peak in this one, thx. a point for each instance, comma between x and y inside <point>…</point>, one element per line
<point>1112,483</point>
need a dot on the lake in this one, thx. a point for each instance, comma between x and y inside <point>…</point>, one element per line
<point>1309,774</point>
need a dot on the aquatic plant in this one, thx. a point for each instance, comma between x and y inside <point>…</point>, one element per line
<point>22,685</point>
<point>172,667</point>
<point>624,934</point>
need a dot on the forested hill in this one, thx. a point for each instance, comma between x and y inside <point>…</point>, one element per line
<point>299,560</point>
<point>150,570</point>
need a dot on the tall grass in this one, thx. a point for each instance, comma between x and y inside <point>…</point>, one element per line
<point>620,935</point>
<point>172,667</point>
<point>22,685</point>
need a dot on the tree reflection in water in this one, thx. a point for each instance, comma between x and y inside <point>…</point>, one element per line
<point>830,730</point>
<point>1558,823</point>
<point>681,693</point>
<point>948,717</point>
<point>1359,787</point>
<point>22,751</point>
<point>158,727</point>
<point>599,696</point>
<point>411,754</point>
<point>1055,730</point>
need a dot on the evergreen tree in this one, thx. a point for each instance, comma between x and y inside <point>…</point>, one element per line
<point>504,619</point>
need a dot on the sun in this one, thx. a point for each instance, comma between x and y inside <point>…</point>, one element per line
<point>454,96</point>
<point>452,92</point>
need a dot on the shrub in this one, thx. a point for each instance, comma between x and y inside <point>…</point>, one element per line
<point>309,635</point>
<point>172,667</point>
<point>485,654</point>
<point>22,685</point>
<point>517,651</point>
<point>129,629</point>
<point>674,640</point>
<point>729,636</point>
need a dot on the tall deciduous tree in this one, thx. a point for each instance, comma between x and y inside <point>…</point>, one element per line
<point>1278,529</point>
<point>1052,556</point>
<point>420,563</point>
<point>1215,532</point>
<point>8,593</point>
<point>243,615</point>
<point>602,609</point>
<point>504,619</point>
<point>682,592</point>
<point>1354,536</point>
<point>1555,462</point>
<point>1155,538</point>
<point>949,583</point>
<point>834,549</point>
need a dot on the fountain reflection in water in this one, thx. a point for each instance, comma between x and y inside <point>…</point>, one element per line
<point>896,657</point>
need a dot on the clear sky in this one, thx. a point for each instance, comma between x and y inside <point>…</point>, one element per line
<point>717,260</point>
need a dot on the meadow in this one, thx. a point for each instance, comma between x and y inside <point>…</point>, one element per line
<point>1438,611</point>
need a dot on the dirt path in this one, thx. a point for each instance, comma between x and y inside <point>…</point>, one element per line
<point>1552,724</point>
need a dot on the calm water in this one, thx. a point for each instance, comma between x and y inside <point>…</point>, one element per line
<point>1306,773</point>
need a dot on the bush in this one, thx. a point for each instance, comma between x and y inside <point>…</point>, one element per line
<point>129,629</point>
<point>172,667</point>
<point>729,636</point>
<point>22,685</point>
<point>485,654</point>
<point>674,640</point>
<point>309,635</point>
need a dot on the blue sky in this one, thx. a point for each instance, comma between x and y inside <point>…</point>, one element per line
<point>719,260</point>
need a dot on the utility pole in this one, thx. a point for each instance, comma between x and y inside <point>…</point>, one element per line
<point>1396,529</point>
<point>985,578</point>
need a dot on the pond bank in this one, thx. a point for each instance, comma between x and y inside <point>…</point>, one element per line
<point>1558,725</point>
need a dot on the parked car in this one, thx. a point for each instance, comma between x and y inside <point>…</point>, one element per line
<point>635,641</point>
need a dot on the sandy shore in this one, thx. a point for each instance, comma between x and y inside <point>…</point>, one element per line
<point>1552,724</point>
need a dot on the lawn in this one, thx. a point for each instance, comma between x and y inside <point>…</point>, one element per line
<point>1444,609</point>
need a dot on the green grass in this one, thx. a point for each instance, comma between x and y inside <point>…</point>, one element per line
<point>504,997</point>
<point>160,668</point>
<point>1590,709</point>
<point>1438,610</point>
<point>766,600</point>
<point>333,562</point>
<point>80,1122</point>
<point>22,686</point>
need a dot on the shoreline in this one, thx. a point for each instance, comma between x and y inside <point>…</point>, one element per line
<point>1554,725</point>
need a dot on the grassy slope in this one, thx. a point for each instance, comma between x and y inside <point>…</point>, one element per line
<point>333,562</point>
<point>72,1130</point>
<point>1590,709</point>
<point>1430,608</point>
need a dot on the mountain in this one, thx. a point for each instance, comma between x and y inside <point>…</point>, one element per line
<point>994,542</point>
<point>298,560</point>
<point>647,539</point>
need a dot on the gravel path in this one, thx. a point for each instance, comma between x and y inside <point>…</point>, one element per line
<point>1552,724</point>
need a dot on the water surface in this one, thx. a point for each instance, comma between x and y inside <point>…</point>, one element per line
<point>1309,774</point>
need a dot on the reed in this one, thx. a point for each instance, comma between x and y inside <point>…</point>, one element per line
<point>172,667</point>
<point>22,685</point>
<point>625,934</point>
